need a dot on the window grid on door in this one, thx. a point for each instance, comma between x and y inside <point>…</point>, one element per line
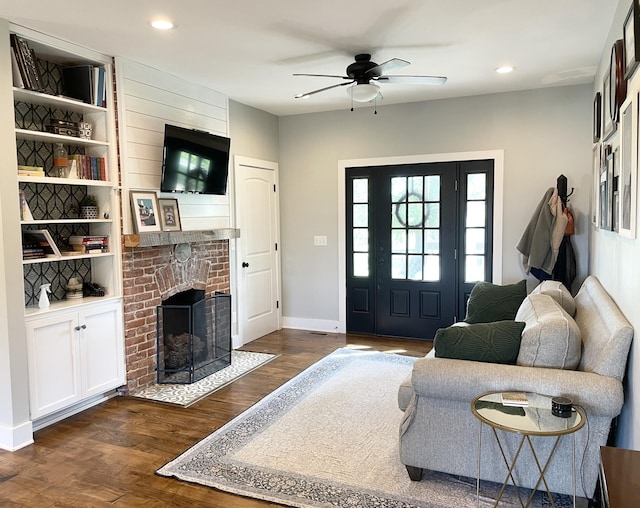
<point>415,228</point>
<point>475,227</point>
<point>360,253</point>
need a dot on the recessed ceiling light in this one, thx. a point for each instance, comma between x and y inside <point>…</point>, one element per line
<point>505,69</point>
<point>162,24</point>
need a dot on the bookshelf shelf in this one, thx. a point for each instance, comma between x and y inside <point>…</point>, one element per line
<point>48,137</point>
<point>63,181</point>
<point>56,259</point>
<point>65,221</point>
<point>66,103</point>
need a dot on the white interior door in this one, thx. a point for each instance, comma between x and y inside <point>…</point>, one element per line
<point>257,259</point>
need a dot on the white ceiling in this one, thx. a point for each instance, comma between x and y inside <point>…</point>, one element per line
<point>249,49</point>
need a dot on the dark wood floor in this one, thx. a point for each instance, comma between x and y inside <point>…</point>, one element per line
<point>107,455</point>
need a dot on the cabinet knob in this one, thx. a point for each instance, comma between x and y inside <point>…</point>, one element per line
<point>84,327</point>
<point>77,328</point>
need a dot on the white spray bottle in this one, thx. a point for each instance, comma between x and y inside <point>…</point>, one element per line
<point>43,303</point>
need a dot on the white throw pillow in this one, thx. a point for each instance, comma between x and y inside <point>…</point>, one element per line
<point>559,292</point>
<point>551,338</point>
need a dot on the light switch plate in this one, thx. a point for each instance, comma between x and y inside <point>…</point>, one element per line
<point>320,241</point>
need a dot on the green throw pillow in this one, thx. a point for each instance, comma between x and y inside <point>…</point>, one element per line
<point>497,342</point>
<point>490,302</point>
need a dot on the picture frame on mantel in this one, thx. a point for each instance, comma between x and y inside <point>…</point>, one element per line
<point>169,214</point>
<point>631,33</point>
<point>144,208</point>
<point>628,177</point>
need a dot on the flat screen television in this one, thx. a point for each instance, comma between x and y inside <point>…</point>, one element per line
<point>194,161</point>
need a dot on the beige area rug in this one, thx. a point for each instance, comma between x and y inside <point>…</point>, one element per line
<point>327,438</point>
<point>242,362</point>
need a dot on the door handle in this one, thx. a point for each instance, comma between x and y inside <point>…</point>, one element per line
<point>245,264</point>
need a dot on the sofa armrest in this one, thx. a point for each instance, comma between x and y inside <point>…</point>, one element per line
<point>462,380</point>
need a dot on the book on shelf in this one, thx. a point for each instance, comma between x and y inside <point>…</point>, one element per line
<point>30,170</point>
<point>89,167</point>
<point>40,239</point>
<point>89,244</point>
<point>85,82</point>
<point>26,62</point>
<point>18,82</point>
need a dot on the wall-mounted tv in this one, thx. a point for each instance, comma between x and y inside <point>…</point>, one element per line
<point>194,161</point>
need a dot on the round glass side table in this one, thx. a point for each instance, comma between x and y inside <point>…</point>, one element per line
<point>532,416</point>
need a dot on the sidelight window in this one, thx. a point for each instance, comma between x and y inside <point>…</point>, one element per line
<point>360,230</point>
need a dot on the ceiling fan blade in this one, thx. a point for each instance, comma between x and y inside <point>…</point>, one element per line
<point>308,94</point>
<point>324,76</point>
<point>414,80</point>
<point>388,66</point>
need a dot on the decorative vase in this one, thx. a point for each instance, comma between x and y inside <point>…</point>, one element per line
<point>89,212</point>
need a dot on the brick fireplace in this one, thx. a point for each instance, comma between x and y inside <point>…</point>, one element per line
<point>152,274</point>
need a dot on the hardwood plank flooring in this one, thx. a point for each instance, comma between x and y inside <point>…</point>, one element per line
<point>107,455</point>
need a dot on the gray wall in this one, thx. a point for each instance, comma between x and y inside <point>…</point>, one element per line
<point>543,133</point>
<point>253,132</point>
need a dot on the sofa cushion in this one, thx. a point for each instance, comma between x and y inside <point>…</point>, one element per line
<point>559,293</point>
<point>490,302</point>
<point>497,342</point>
<point>551,338</point>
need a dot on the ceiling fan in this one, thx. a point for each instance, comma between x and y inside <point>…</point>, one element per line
<point>363,75</point>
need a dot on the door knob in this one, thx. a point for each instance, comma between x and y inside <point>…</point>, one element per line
<point>245,264</point>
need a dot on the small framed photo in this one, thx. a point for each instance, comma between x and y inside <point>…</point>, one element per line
<point>631,29</point>
<point>628,174</point>
<point>169,214</point>
<point>608,125</point>
<point>144,206</point>
<point>597,117</point>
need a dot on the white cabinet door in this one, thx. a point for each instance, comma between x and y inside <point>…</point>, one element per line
<point>102,349</point>
<point>54,364</point>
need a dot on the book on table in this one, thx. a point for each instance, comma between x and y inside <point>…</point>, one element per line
<point>514,399</point>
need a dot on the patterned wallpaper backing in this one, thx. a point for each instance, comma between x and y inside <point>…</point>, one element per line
<point>49,201</point>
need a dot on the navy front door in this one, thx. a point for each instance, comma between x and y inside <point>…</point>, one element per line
<point>418,237</point>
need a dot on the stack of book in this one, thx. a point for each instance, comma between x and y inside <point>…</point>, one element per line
<point>89,244</point>
<point>89,168</point>
<point>38,244</point>
<point>24,67</point>
<point>30,170</point>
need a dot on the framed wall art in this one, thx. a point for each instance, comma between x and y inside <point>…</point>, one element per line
<point>631,29</point>
<point>604,188</point>
<point>628,175</point>
<point>608,125</point>
<point>595,208</point>
<point>169,214</point>
<point>597,117</point>
<point>144,207</point>
<point>617,83</point>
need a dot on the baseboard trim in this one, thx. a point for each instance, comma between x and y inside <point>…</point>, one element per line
<point>12,439</point>
<point>45,421</point>
<point>314,325</point>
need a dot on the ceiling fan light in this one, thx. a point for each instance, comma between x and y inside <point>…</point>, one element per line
<point>364,92</point>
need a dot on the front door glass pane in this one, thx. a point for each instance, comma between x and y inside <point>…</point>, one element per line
<point>360,216</point>
<point>361,240</point>
<point>398,266</point>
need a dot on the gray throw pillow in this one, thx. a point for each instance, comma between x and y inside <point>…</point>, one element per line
<point>490,302</point>
<point>559,293</point>
<point>497,342</point>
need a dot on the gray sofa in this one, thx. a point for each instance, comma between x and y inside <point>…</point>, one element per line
<point>440,433</point>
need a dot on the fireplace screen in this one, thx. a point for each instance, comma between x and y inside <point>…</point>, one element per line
<point>194,336</point>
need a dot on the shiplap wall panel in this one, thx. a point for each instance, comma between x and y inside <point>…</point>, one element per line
<point>147,100</point>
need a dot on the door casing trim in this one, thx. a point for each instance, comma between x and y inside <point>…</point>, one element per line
<point>498,176</point>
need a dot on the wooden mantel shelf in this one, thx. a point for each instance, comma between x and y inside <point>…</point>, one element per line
<point>176,237</point>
